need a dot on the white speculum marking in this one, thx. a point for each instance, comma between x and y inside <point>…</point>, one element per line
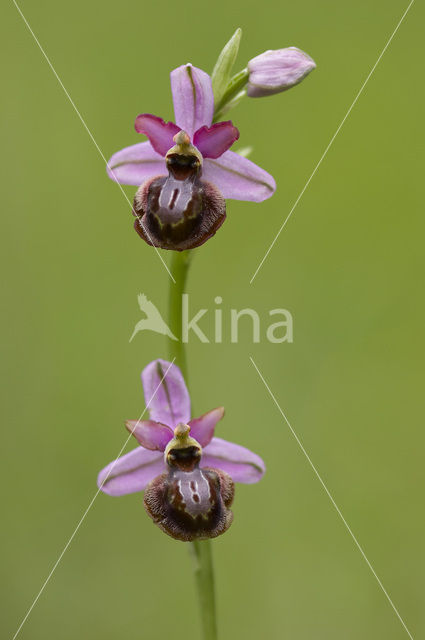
<point>169,198</point>
<point>195,494</point>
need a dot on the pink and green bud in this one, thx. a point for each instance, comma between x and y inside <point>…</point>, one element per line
<point>277,70</point>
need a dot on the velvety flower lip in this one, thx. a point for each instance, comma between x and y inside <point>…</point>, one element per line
<point>234,176</point>
<point>168,407</point>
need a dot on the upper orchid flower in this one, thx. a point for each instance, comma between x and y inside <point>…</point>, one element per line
<point>188,474</point>
<point>186,171</point>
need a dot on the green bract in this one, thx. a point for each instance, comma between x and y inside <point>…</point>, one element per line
<point>223,68</point>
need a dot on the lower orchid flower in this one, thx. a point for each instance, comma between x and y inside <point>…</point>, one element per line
<point>186,170</point>
<point>188,474</point>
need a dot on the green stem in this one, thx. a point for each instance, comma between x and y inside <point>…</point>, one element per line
<point>204,576</point>
<point>201,549</point>
<point>180,262</point>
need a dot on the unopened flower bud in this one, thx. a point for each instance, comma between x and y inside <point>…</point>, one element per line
<point>278,70</point>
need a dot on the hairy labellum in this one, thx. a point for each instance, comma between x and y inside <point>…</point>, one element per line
<point>189,503</point>
<point>180,211</point>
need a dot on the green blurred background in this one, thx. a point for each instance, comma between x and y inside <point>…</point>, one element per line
<point>349,266</point>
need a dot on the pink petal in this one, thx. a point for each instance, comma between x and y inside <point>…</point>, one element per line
<point>151,435</point>
<point>240,463</point>
<point>238,178</point>
<point>192,97</point>
<point>130,473</point>
<point>135,164</point>
<point>160,133</point>
<point>213,141</point>
<point>202,429</point>
<point>166,395</point>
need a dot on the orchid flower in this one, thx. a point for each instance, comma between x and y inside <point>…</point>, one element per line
<point>187,473</point>
<point>186,170</point>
